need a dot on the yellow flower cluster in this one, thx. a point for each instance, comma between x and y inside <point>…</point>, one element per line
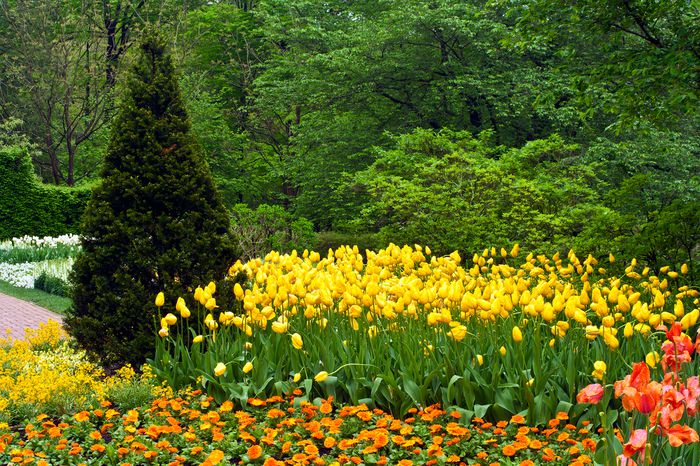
<point>43,369</point>
<point>412,283</point>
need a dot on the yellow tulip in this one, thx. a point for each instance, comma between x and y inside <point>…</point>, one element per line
<point>684,268</point>
<point>600,366</point>
<point>372,331</point>
<point>280,327</point>
<point>297,342</point>
<point>321,376</point>
<point>629,330</point>
<point>502,350</point>
<point>238,291</point>
<point>160,299</point>
<point>608,321</point>
<point>652,358</point>
<point>516,249</point>
<point>517,334</point>
<point>180,305</point>
<point>480,359</point>
<point>679,309</point>
<point>690,319</point>
<point>211,304</point>
<point>458,333</point>
<point>220,369</point>
<point>611,340</point>
<point>198,339</point>
<point>211,287</point>
<point>170,319</point>
<point>247,367</point>
<point>297,377</point>
<point>211,323</point>
<point>248,346</point>
<point>163,332</point>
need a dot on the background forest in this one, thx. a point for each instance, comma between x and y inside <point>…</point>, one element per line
<point>452,123</point>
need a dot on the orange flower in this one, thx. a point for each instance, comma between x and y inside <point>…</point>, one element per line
<point>509,450</point>
<point>226,406</point>
<point>527,463</point>
<point>588,444</point>
<point>82,416</point>
<point>196,450</point>
<point>405,463</point>
<point>254,452</point>
<point>215,457</point>
<point>311,450</point>
<point>329,442</point>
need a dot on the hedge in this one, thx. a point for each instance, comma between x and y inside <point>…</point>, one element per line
<point>28,207</point>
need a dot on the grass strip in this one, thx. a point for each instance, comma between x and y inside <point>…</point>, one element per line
<point>57,304</point>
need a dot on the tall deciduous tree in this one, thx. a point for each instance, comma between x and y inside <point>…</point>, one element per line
<point>637,60</point>
<point>156,222</point>
<point>54,70</point>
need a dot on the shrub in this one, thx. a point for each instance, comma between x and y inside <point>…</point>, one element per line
<point>269,227</point>
<point>326,240</point>
<point>156,222</point>
<point>51,284</point>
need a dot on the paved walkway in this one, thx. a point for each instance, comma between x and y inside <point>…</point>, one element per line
<point>17,315</point>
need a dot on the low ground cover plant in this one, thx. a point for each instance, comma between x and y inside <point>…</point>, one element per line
<point>193,429</point>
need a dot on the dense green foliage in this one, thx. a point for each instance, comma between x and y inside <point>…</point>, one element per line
<point>298,104</point>
<point>51,285</point>
<point>268,228</point>
<point>453,191</point>
<point>28,207</point>
<point>156,222</point>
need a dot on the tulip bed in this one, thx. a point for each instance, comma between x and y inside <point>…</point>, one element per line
<point>500,336</point>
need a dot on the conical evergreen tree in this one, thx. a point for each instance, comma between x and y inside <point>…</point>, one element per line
<point>156,222</point>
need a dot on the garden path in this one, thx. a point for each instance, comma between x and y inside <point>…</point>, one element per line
<point>17,315</point>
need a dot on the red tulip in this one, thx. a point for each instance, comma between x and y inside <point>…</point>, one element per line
<point>681,435</point>
<point>591,394</point>
<point>637,443</point>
